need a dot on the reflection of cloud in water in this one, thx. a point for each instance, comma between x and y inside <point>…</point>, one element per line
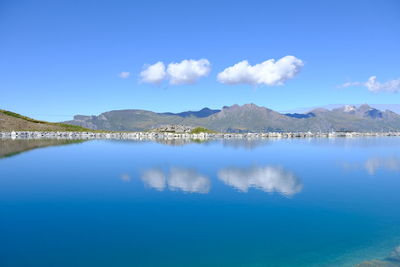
<point>125,177</point>
<point>393,260</point>
<point>268,179</point>
<point>395,255</point>
<point>154,178</point>
<point>374,164</point>
<point>186,180</point>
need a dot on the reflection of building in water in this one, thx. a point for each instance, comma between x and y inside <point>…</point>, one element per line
<point>178,179</point>
<point>267,178</point>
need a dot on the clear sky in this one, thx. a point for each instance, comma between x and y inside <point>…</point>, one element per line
<point>60,58</point>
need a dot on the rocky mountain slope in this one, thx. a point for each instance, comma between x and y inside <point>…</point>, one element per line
<point>247,118</point>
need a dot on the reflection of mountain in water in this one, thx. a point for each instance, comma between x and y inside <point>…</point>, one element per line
<point>10,148</point>
<point>267,178</point>
<point>180,142</point>
<point>235,143</point>
<point>244,143</point>
<point>177,179</point>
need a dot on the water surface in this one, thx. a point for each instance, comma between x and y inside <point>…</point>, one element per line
<point>289,202</point>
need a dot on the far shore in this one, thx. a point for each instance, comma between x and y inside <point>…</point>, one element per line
<point>195,136</point>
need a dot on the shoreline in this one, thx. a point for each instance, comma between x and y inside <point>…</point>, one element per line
<point>186,136</point>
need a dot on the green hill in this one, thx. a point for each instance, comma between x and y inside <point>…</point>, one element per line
<point>10,121</point>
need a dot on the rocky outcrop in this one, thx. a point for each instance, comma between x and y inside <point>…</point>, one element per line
<point>173,129</point>
<point>154,135</point>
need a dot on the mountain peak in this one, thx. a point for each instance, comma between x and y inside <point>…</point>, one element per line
<point>364,107</point>
<point>349,108</point>
<point>246,107</point>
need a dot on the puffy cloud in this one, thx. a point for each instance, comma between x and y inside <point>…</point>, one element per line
<point>267,178</point>
<point>188,71</point>
<point>392,86</point>
<point>178,179</point>
<point>153,73</point>
<point>269,72</point>
<point>124,74</point>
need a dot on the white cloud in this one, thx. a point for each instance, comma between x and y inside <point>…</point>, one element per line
<point>188,71</point>
<point>269,72</point>
<point>124,74</point>
<point>178,179</point>
<point>268,179</point>
<point>153,73</point>
<point>392,86</point>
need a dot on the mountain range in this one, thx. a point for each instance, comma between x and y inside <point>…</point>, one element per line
<point>247,118</point>
<point>392,107</point>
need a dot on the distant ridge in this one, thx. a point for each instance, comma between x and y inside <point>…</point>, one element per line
<point>393,107</point>
<point>248,118</point>
<point>205,112</point>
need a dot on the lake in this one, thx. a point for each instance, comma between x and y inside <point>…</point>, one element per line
<point>284,202</point>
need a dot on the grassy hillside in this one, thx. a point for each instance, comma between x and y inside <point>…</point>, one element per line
<point>198,130</point>
<point>10,121</point>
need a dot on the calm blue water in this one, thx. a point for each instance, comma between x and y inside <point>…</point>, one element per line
<point>318,202</point>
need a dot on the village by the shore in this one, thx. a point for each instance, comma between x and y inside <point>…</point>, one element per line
<point>153,135</point>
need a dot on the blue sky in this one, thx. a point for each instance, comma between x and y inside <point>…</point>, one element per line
<point>60,58</point>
